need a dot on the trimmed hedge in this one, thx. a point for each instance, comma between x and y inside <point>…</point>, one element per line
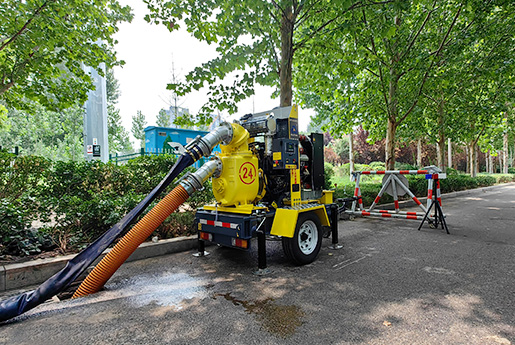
<point>78,201</point>
<point>418,185</point>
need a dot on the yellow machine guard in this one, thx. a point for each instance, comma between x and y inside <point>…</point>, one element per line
<point>285,219</point>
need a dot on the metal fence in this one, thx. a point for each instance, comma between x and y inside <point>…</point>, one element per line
<point>122,159</point>
<point>14,150</point>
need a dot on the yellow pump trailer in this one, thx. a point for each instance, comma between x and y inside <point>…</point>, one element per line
<point>269,184</point>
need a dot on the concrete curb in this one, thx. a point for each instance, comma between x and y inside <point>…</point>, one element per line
<point>16,276</point>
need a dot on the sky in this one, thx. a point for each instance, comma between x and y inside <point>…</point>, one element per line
<point>151,53</point>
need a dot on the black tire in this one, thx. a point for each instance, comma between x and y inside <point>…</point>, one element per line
<point>304,250</point>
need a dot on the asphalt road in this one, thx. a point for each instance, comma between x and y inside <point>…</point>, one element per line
<point>390,284</point>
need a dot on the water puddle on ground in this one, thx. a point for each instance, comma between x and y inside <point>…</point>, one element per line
<point>166,289</point>
<point>280,320</point>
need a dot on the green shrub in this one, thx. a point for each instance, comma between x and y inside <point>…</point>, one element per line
<point>451,171</point>
<point>21,174</point>
<point>417,184</point>
<point>504,178</point>
<point>404,166</point>
<point>177,224</point>
<point>377,166</point>
<point>17,238</point>
<point>457,183</point>
<point>329,173</point>
<point>81,200</point>
<point>511,170</point>
<point>485,180</point>
<point>145,172</point>
<point>369,192</point>
<point>342,170</point>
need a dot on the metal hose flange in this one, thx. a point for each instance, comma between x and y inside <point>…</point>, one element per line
<point>128,244</point>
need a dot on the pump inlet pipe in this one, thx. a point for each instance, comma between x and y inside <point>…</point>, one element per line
<point>200,146</point>
<point>396,184</point>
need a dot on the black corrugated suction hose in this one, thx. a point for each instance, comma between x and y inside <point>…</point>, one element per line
<point>17,305</point>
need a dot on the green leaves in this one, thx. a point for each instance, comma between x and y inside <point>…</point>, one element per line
<point>3,118</point>
<point>55,135</point>
<point>42,50</point>
<point>139,123</point>
<point>398,61</point>
<point>163,119</point>
<point>260,38</point>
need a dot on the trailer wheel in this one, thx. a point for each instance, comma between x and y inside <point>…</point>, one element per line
<point>305,245</point>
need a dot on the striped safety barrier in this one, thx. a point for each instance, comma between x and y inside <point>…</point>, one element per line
<point>396,183</point>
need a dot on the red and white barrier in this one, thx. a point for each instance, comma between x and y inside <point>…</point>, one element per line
<point>432,175</point>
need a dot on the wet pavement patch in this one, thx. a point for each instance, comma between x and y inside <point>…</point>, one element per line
<point>279,320</point>
<point>166,289</point>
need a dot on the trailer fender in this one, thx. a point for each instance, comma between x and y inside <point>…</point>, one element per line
<point>285,219</point>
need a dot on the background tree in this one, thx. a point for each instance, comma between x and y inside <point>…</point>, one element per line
<point>138,125</point>
<point>485,82</point>
<point>3,117</point>
<point>118,136</point>
<point>384,58</point>
<point>341,148</point>
<point>389,56</point>
<point>256,40</point>
<point>53,135</point>
<point>163,119</point>
<point>44,43</point>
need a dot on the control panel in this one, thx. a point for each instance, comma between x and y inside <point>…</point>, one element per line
<point>285,154</point>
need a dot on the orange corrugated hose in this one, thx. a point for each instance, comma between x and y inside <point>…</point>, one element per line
<point>128,244</point>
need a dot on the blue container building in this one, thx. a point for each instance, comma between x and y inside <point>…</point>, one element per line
<point>157,139</point>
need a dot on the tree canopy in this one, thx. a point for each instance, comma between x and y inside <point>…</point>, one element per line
<point>44,43</point>
<point>394,63</point>
<point>139,123</point>
<point>256,41</point>
<point>163,119</point>
<point>118,136</point>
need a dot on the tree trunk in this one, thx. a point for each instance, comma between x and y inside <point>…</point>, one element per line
<point>440,145</point>
<point>351,152</point>
<point>419,153</point>
<point>467,155</point>
<point>439,154</point>
<point>286,56</point>
<point>476,159</point>
<point>513,157</point>
<point>472,159</point>
<point>393,109</point>
<point>392,121</point>
<point>500,156</point>
<point>488,161</point>
<point>5,87</point>
<point>449,153</point>
<point>505,153</point>
<point>390,145</point>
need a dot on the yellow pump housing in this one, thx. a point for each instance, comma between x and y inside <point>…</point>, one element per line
<point>238,184</point>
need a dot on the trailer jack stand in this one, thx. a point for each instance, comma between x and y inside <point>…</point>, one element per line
<point>262,269</point>
<point>201,249</point>
<point>334,228</point>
